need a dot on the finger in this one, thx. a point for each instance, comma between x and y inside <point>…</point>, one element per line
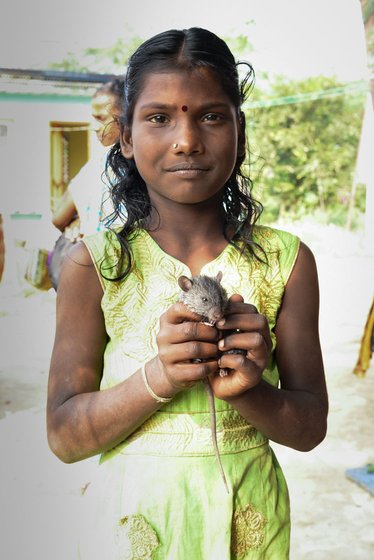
<point>178,313</point>
<point>246,324</point>
<point>237,307</point>
<point>240,363</point>
<point>239,380</point>
<point>188,351</point>
<point>248,321</point>
<point>185,375</point>
<point>236,298</point>
<point>253,344</point>
<point>196,331</point>
<point>244,321</point>
<point>186,331</point>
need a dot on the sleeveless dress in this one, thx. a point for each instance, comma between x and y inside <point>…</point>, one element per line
<point>159,494</point>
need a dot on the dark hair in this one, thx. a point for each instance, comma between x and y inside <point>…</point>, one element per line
<point>171,50</point>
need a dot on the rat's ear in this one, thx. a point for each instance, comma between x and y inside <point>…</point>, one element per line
<point>185,283</point>
<point>125,141</point>
<point>219,276</point>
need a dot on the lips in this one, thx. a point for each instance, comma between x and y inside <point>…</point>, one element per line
<point>186,167</point>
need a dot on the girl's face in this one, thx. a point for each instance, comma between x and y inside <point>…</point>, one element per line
<point>184,136</point>
<point>105,115</point>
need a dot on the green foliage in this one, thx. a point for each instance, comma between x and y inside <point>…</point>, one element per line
<point>303,154</point>
<point>367,8</point>
<point>111,60</point>
<point>70,64</point>
<point>116,55</point>
<point>240,46</point>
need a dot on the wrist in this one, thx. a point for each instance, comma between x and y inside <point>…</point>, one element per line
<point>243,393</point>
<point>158,381</point>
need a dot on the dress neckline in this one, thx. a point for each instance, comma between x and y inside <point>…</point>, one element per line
<point>205,269</point>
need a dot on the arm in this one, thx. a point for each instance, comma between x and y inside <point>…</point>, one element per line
<point>295,414</point>
<point>65,212</point>
<point>82,420</point>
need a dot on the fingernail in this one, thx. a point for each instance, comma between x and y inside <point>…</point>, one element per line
<point>221,322</point>
<point>221,343</point>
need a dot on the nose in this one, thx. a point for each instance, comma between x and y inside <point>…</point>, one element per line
<point>217,314</point>
<point>188,137</point>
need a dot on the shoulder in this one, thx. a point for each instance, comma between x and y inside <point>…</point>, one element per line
<point>111,252</point>
<point>305,265</point>
<point>78,256</point>
<point>102,243</point>
<point>280,247</point>
<point>78,273</point>
<point>274,238</point>
<point>286,243</point>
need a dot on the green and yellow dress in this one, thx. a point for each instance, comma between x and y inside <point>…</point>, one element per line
<point>159,494</point>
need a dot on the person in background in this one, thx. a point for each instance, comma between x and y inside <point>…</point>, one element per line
<point>87,196</point>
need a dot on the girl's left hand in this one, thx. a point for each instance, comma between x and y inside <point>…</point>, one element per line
<point>253,336</point>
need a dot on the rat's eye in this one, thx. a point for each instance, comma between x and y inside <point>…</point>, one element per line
<point>204,299</point>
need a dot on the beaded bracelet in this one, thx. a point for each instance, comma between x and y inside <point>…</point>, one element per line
<point>150,391</point>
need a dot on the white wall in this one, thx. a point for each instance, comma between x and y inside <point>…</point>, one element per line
<point>25,172</point>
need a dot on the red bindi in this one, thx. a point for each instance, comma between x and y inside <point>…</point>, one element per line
<point>184,108</point>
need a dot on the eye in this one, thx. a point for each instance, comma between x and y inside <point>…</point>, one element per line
<point>204,299</point>
<point>212,117</point>
<point>158,119</point>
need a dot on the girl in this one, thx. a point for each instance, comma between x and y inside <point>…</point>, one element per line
<point>129,357</point>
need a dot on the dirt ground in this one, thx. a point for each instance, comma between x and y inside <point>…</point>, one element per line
<point>332,517</point>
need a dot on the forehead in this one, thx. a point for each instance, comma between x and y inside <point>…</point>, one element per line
<point>182,87</point>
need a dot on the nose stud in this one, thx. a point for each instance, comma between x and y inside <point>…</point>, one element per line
<point>175,146</point>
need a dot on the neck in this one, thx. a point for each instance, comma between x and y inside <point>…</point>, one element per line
<point>188,220</point>
<point>191,233</point>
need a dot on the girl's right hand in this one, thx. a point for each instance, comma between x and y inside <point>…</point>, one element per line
<point>182,342</point>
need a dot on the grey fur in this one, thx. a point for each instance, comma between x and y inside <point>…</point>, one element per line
<point>205,295</point>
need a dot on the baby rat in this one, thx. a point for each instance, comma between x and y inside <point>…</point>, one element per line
<point>206,296</point>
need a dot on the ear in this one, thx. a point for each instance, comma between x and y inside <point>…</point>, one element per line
<point>185,283</point>
<point>219,276</point>
<point>125,140</point>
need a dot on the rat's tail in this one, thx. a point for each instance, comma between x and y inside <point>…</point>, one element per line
<point>213,427</point>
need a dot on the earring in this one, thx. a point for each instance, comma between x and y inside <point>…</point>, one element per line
<point>175,146</point>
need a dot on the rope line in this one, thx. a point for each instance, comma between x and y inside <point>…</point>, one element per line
<point>357,88</point>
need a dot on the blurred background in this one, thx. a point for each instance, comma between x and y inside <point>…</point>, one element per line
<point>311,146</point>
<point>308,116</point>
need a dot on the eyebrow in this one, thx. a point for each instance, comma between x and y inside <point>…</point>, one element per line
<point>209,105</point>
